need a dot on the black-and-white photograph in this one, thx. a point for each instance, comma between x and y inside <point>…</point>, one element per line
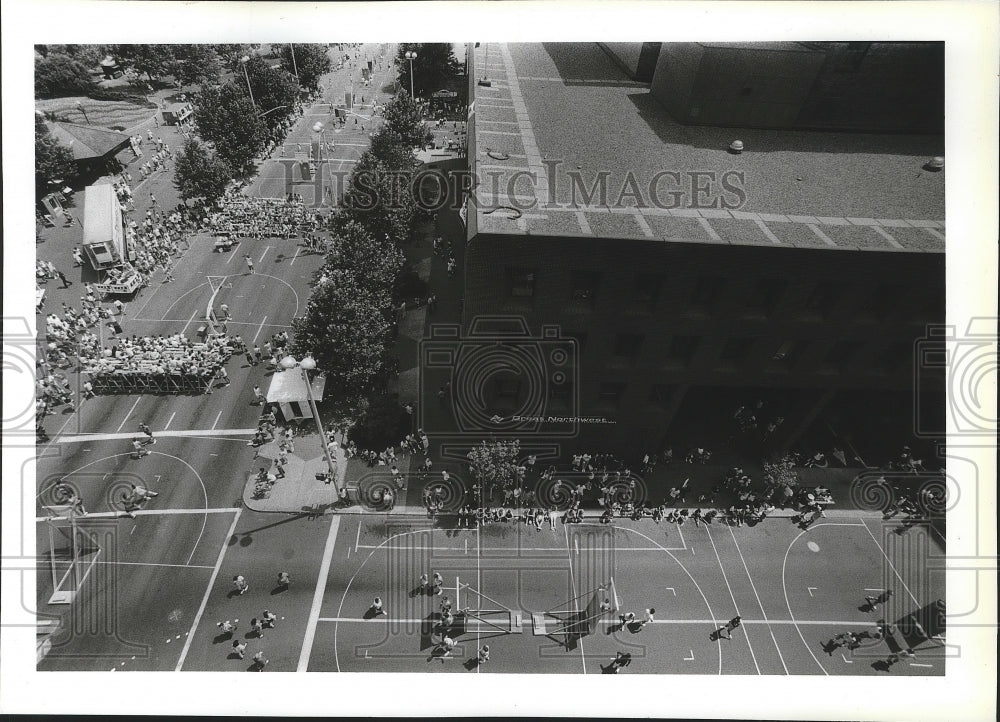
<point>557,357</point>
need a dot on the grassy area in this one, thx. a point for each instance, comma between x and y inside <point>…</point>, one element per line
<point>104,113</point>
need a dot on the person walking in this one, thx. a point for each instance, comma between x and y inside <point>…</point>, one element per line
<point>874,602</point>
<point>65,281</point>
<point>259,398</point>
<point>437,583</point>
<point>138,448</point>
<point>377,607</point>
<point>268,619</point>
<point>625,619</point>
<point>239,648</point>
<point>484,654</point>
<point>250,358</point>
<point>260,660</point>
<point>148,432</point>
<point>225,311</point>
<point>284,581</point>
<point>447,644</point>
<point>241,584</point>
<point>227,626</point>
<point>257,628</point>
<point>649,618</point>
<point>249,262</point>
<point>730,626</point>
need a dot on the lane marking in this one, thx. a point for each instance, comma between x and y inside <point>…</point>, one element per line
<point>193,314</point>
<point>127,415</point>
<point>259,329</point>
<point>140,512</point>
<point>317,602</point>
<point>264,254</point>
<point>849,661</point>
<point>874,539</point>
<point>84,438</point>
<point>216,422</point>
<point>822,236</point>
<point>572,577</point>
<point>759,602</point>
<point>811,590</point>
<point>732,596</point>
<point>233,254</point>
<point>672,590</point>
<point>357,538</point>
<point>613,623</point>
<point>208,590</point>
<point>131,564</point>
<point>170,420</point>
<point>297,249</point>
<point>691,658</point>
<point>917,664</point>
<point>767,232</point>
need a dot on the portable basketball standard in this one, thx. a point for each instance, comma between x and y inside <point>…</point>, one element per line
<point>575,622</point>
<point>65,588</point>
<point>501,620</point>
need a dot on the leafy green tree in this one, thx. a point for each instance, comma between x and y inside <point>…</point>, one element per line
<point>311,60</point>
<point>196,64</point>
<point>231,54</point>
<point>375,262</point>
<point>380,421</point>
<point>433,69</point>
<point>402,117</point>
<point>227,119</point>
<point>379,198</point>
<point>153,60</point>
<point>58,75</point>
<point>275,92</point>
<point>495,463</point>
<point>199,173</point>
<point>53,160</point>
<point>345,329</point>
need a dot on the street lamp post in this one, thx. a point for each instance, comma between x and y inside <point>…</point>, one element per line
<point>243,61</point>
<point>295,66</point>
<point>80,107</point>
<point>320,131</point>
<point>307,364</point>
<point>411,55</point>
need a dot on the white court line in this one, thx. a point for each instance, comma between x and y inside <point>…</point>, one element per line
<point>733,597</point>
<point>169,420</point>
<point>208,590</point>
<point>874,539</point>
<point>193,314</point>
<point>297,249</point>
<point>133,564</point>
<point>317,602</point>
<point>259,329</point>
<point>85,438</point>
<point>127,415</point>
<point>572,578</point>
<point>759,603</point>
<point>233,254</point>
<point>216,422</point>
<point>554,550</point>
<point>141,512</point>
<point>264,254</point>
<point>526,621</point>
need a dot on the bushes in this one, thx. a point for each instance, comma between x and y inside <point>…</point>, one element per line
<point>120,94</point>
<point>58,76</point>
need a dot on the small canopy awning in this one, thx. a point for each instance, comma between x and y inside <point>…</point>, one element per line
<point>288,386</point>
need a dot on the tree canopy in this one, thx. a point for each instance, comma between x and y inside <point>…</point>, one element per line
<point>496,462</point>
<point>311,61</point>
<point>402,116</point>
<point>154,60</point>
<point>196,64</point>
<point>433,68</point>
<point>58,75</point>
<point>199,173</point>
<point>275,92</point>
<point>227,119</point>
<point>53,160</point>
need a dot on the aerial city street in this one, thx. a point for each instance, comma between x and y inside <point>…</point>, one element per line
<point>476,358</point>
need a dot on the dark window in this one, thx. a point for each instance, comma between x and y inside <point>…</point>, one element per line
<point>521,283</point>
<point>892,358</point>
<point>682,349</point>
<point>647,290</point>
<point>660,394</point>
<point>822,300</point>
<point>765,295</point>
<point>840,355</point>
<point>736,350</point>
<point>706,293</point>
<point>627,345</point>
<point>508,388</point>
<point>585,285</point>
<point>561,387</point>
<point>611,392</point>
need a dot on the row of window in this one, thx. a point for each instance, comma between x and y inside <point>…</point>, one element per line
<point>762,299</point>
<point>784,354</point>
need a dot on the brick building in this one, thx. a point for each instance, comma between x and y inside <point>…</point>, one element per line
<point>802,271</point>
